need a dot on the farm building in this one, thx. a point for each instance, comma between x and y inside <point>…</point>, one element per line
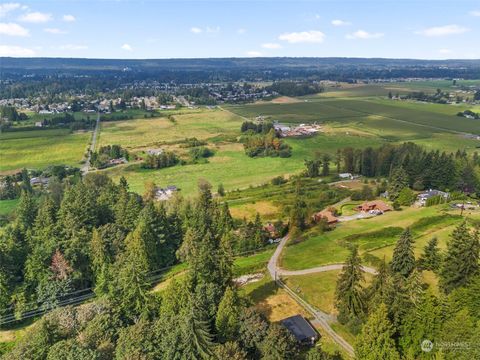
<point>345,176</point>
<point>163,194</point>
<point>154,151</point>
<point>325,214</point>
<point>43,181</point>
<point>301,329</point>
<point>423,197</point>
<point>376,205</point>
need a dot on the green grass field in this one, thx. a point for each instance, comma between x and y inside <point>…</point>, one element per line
<point>8,206</point>
<point>375,236</point>
<point>40,148</point>
<point>356,116</point>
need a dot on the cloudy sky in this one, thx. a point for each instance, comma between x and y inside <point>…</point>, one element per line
<point>426,29</point>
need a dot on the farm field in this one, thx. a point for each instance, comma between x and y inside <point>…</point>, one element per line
<point>375,236</point>
<point>143,133</point>
<point>346,110</point>
<point>40,148</point>
<point>235,170</point>
<point>350,122</point>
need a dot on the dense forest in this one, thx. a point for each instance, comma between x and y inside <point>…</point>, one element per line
<point>92,233</point>
<point>416,167</point>
<point>399,316</point>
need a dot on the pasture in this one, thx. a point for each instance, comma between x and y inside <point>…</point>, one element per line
<point>41,148</point>
<point>375,236</point>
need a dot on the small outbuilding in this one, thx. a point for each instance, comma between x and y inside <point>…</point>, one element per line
<point>303,331</point>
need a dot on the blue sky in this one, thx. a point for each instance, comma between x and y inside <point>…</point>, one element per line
<point>426,29</point>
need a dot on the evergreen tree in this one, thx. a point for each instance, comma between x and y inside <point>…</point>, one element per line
<point>398,181</point>
<point>230,350</point>
<point>26,211</point>
<point>460,263</point>
<point>130,292</point>
<point>227,319</point>
<point>420,323</point>
<point>378,291</point>
<point>348,294</point>
<point>279,344</point>
<point>375,341</point>
<point>431,258</point>
<point>312,168</point>
<point>403,260</point>
<point>326,164</point>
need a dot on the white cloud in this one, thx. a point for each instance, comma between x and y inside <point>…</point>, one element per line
<point>443,30</point>
<point>445,51</point>
<point>36,17</point>
<point>271,46</point>
<point>54,31</point>
<point>12,29</point>
<point>12,50</point>
<point>68,18</point>
<point>212,30</point>
<point>126,47</point>
<point>241,31</point>
<point>364,35</point>
<point>312,36</point>
<point>338,22</point>
<point>73,47</point>
<point>254,53</point>
<point>7,7</point>
<point>475,12</point>
<point>208,29</point>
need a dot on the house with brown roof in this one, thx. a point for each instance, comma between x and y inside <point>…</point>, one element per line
<point>375,205</point>
<point>325,214</point>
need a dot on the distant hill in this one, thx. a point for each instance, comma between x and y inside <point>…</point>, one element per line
<point>244,68</point>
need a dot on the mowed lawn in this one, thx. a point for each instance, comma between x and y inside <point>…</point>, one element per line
<point>40,148</point>
<point>376,236</point>
<point>8,206</point>
<point>319,289</point>
<point>144,133</point>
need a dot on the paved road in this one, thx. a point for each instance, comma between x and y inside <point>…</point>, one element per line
<point>322,319</point>
<point>86,167</point>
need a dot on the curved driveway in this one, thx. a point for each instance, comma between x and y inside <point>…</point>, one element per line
<point>322,319</point>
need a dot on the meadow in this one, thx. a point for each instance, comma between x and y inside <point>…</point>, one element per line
<point>40,148</point>
<point>375,237</point>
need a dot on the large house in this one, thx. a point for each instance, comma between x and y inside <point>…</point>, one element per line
<point>374,206</point>
<point>325,214</point>
<point>301,329</point>
<point>423,197</point>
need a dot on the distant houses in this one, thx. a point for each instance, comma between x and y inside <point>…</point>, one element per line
<point>119,161</point>
<point>163,194</point>
<point>154,151</point>
<point>39,181</point>
<point>374,207</point>
<point>327,215</point>
<point>297,131</point>
<point>423,197</point>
